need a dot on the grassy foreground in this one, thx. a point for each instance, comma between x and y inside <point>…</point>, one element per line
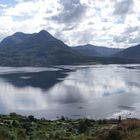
<point>17,127</point>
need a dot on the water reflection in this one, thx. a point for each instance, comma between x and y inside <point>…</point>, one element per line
<point>91,83</point>
<point>95,91</point>
<point>39,78</point>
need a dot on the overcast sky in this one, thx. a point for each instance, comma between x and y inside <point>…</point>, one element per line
<point>112,23</point>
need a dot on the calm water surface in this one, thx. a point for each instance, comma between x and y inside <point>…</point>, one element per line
<point>98,91</point>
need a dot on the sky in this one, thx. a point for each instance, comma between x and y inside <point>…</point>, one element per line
<point>111,23</point>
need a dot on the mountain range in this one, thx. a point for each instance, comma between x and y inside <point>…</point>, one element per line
<point>132,53</point>
<point>37,49</point>
<point>42,49</point>
<point>92,50</point>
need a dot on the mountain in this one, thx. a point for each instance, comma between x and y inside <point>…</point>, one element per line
<point>97,51</point>
<point>37,49</point>
<point>14,40</point>
<point>42,49</point>
<point>132,53</point>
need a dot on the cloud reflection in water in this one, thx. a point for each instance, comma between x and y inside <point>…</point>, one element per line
<point>91,83</point>
<point>27,98</point>
<point>98,90</point>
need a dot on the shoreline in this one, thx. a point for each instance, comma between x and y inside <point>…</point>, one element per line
<point>17,127</point>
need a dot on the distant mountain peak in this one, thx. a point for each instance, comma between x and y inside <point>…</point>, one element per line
<point>45,34</point>
<point>18,33</point>
<point>43,31</point>
<point>89,45</point>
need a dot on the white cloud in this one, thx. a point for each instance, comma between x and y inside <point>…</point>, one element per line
<point>75,22</point>
<point>3,5</point>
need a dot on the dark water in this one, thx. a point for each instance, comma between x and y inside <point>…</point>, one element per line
<point>98,91</point>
